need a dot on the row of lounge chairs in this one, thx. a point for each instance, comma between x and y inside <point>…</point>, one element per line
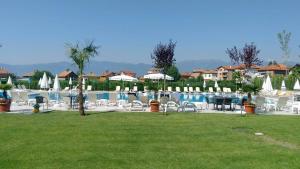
<point>177,89</point>
<point>176,100</point>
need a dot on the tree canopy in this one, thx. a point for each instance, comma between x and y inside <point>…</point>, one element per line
<point>173,72</point>
<point>248,55</point>
<point>163,56</point>
<point>39,74</point>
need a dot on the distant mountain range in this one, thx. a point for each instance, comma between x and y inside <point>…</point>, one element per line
<point>101,66</point>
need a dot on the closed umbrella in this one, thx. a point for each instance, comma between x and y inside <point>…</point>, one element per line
<point>83,83</point>
<point>204,84</point>
<point>9,81</point>
<point>264,85</point>
<point>50,81</point>
<point>44,82</point>
<point>297,85</point>
<point>56,85</point>
<point>283,85</point>
<point>40,81</point>
<point>70,81</point>
<point>268,85</point>
<point>216,84</point>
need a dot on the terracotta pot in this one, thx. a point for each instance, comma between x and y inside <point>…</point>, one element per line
<point>35,110</point>
<point>5,105</point>
<point>154,106</point>
<point>250,108</point>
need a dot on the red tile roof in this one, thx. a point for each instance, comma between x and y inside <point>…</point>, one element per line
<point>274,67</point>
<point>3,71</point>
<point>107,74</point>
<point>205,71</point>
<point>65,73</point>
<point>239,67</point>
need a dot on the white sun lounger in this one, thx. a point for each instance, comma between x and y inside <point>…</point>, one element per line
<point>178,89</point>
<point>118,88</point>
<point>185,89</point>
<point>191,89</point>
<point>89,88</point>
<point>126,89</point>
<point>198,89</point>
<point>169,89</point>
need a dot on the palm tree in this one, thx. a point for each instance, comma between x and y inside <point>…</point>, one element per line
<point>81,56</point>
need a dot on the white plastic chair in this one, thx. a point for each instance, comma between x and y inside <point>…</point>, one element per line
<point>118,88</point>
<point>185,89</point>
<point>89,88</point>
<point>126,89</point>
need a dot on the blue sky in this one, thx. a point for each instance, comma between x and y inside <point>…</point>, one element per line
<point>35,31</point>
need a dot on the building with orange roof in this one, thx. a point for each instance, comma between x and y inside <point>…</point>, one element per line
<point>275,69</point>
<point>185,75</point>
<point>225,72</point>
<point>128,73</point>
<point>90,75</point>
<point>67,74</point>
<point>206,74</point>
<point>153,70</point>
<point>105,75</point>
<point>4,73</point>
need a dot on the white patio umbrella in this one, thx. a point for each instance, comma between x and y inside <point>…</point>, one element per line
<point>268,85</point>
<point>9,81</point>
<point>204,84</point>
<point>297,85</point>
<point>123,78</point>
<point>157,76</point>
<point>44,82</point>
<point>40,81</point>
<point>283,85</point>
<point>70,81</point>
<point>50,81</point>
<point>56,85</point>
<point>264,85</point>
<point>83,83</point>
<point>216,84</point>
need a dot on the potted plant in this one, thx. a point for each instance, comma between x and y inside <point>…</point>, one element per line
<point>36,108</point>
<point>249,104</point>
<point>5,99</point>
<point>154,106</point>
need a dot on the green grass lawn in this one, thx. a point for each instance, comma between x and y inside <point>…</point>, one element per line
<point>148,140</point>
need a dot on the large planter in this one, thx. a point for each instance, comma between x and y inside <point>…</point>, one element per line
<point>249,108</point>
<point>5,105</point>
<point>154,106</point>
<point>35,110</point>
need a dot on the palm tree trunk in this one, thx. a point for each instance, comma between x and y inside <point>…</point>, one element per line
<point>80,97</point>
<point>164,84</point>
<point>165,111</point>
